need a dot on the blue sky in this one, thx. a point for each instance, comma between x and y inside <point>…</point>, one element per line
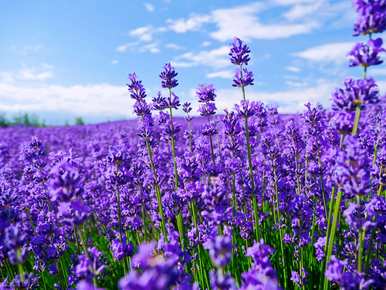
<point>61,59</point>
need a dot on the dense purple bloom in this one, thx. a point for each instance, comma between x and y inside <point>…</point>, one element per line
<point>220,250</point>
<point>206,93</point>
<point>207,109</point>
<point>136,89</point>
<point>187,107</point>
<point>239,53</point>
<point>366,54</point>
<point>120,249</point>
<point>243,78</point>
<point>159,102</point>
<point>354,93</point>
<point>90,264</point>
<point>168,76</point>
<point>371,17</point>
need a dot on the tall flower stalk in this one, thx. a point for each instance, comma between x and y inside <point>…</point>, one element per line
<point>142,110</point>
<point>168,81</point>
<point>239,55</point>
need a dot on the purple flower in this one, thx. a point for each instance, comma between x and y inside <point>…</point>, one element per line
<point>159,102</point>
<point>206,93</point>
<point>207,109</point>
<point>239,53</point>
<point>168,77</point>
<point>334,271</point>
<point>220,250</point>
<point>354,93</point>
<point>187,107</point>
<point>141,108</point>
<point>120,249</point>
<point>243,78</point>
<point>371,17</point>
<point>136,89</point>
<point>319,248</point>
<point>90,265</point>
<point>366,54</point>
<point>85,285</point>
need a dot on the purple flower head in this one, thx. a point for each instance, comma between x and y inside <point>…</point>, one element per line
<point>173,101</point>
<point>207,109</point>
<point>144,255</point>
<point>371,16</point>
<point>351,171</point>
<point>220,281</point>
<point>354,93</point>
<point>65,182</point>
<point>246,108</point>
<point>136,89</point>
<point>34,152</point>
<point>335,267</point>
<point>85,285</point>
<point>159,102</point>
<point>187,107</point>
<point>90,265</point>
<point>220,250</point>
<point>260,252</point>
<point>231,124</point>
<point>168,77</point>
<point>206,93</point>
<point>319,248</point>
<point>343,121</point>
<point>243,78</point>
<point>120,249</point>
<point>141,108</point>
<point>366,54</point>
<point>239,53</point>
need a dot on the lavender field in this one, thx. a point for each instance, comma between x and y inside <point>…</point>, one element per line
<point>245,198</point>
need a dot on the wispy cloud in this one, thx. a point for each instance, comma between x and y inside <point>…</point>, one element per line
<point>149,7</point>
<point>173,46</point>
<point>143,33</point>
<point>287,101</point>
<point>224,74</point>
<point>215,58</point>
<point>192,23</point>
<point>326,53</point>
<point>294,69</point>
<point>43,72</point>
<point>107,100</point>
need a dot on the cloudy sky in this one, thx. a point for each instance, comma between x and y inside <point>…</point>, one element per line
<point>61,59</point>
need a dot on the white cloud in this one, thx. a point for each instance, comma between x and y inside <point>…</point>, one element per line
<point>294,69</point>
<point>149,7</point>
<point>216,58</point>
<point>43,72</point>
<point>288,101</point>
<point>302,10</point>
<point>173,46</point>
<point>124,47</point>
<point>114,61</point>
<point>190,24</point>
<point>243,22</point>
<point>327,53</point>
<point>143,33</point>
<point>206,43</point>
<point>84,100</point>
<point>151,47</point>
<point>224,74</point>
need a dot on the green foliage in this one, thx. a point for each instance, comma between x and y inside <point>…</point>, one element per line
<point>79,121</point>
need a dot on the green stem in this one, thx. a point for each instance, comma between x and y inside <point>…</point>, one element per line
<point>332,234</point>
<point>356,121</point>
<point>157,189</point>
